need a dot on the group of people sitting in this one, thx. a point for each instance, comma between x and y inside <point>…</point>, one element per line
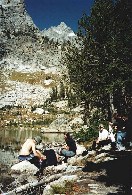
<point>116,136</point>
<point>48,157</point>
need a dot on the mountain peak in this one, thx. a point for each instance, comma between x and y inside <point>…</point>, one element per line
<point>59,33</point>
<point>62,25</point>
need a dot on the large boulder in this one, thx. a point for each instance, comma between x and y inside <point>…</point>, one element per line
<point>39,111</point>
<point>80,149</point>
<point>24,166</point>
<point>60,105</point>
<point>77,121</point>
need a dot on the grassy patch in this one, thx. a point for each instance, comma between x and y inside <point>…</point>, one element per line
<point>69,189</point>
<point>34,78</point>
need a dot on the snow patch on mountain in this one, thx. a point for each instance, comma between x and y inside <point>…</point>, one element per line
<point>60,33</point>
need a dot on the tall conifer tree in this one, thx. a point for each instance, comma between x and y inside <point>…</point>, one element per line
<point>99,65</point>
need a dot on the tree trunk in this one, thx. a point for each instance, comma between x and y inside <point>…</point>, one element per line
<point>111,108</point>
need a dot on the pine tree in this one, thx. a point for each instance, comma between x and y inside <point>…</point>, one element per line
<point>99,63</point>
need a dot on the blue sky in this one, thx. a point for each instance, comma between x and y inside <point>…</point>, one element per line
<point>47,13</point>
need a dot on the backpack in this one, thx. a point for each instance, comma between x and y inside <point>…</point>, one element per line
<point>51,158</point>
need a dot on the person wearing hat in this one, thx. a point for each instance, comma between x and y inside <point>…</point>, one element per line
<point>28,151</point>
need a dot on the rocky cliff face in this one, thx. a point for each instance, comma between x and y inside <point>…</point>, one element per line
<point>14,19</point>
<point>25,53</point>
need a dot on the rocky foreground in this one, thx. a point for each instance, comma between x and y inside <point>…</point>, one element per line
<point>89,172</point>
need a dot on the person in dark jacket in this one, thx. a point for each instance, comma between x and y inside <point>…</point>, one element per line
<point>70,148</point>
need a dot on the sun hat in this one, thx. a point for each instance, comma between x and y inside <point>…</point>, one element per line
<point>38,139</point>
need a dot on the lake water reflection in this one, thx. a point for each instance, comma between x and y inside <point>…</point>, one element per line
<point>15,137</point>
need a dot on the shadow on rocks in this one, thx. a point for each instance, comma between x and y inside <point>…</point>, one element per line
<point>118,172</point>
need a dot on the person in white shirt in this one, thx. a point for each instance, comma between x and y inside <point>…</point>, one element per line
<point>103,138</point>
<point>103,134</point>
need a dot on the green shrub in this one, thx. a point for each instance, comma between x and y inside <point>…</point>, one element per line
<point>86,134</point>
<point>52,109</point>
<point>46,121</point>
<point>67,189</point>
<point>58,189</point>
<point>91,132</point>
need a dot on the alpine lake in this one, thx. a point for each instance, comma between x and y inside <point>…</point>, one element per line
<point>11,140</point>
